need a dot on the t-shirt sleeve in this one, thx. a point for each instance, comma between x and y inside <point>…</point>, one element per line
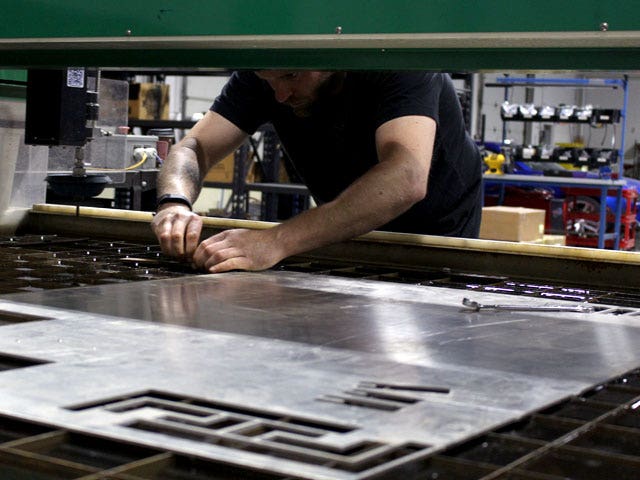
<point>406,93</point>
<point>245,101</point>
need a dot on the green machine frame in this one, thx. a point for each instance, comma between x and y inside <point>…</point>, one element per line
<point>450,35</point>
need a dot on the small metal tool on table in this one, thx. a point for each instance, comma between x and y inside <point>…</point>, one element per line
<point>527,308</point>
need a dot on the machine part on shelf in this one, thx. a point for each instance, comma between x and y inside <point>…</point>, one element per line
<point>475,306</point>
<point>583,114</point>
<point>563,113</point>
<point>547,112</point>
<point>566,112</point>
<point>583,227</point>
<point>528,111</point>
<point>509,110</point>
<point>545,152</point>
<point>495,163</point>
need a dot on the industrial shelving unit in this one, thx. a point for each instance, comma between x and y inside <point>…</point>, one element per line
<point>279,200</point>
<point>610,164</point>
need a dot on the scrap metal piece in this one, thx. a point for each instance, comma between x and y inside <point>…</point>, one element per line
<point>528,308</point>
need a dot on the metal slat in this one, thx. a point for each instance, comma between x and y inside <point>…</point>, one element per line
<point>541,427</point>
<point>121,472</point>
<point>561,457</point>
<point>13,429</point>
<point>616,441</point>
<point>585,464</point>
<point>78,450</point>
<point>34,463</point>
<point>495,450</point>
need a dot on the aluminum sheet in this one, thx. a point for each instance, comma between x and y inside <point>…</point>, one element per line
<point>289,346</point>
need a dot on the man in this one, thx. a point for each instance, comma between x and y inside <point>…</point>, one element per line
<point>377,150</point>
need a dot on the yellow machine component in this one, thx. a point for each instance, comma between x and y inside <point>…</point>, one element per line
<point>495,163</point>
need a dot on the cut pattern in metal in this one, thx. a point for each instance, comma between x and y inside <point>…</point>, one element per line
<point>381,396</point>
<point>196,407</point>
<point>11,362</point>
<point>298,439</point>
<point>592,436</point>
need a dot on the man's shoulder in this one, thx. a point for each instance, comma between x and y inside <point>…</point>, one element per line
<point>245,79</point>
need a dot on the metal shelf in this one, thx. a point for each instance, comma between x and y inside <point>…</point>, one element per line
<point>603,185</point>
<point>508,82</point>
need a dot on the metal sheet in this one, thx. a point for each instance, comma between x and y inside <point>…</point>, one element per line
<point>290,356</point>
<point>412,324</point>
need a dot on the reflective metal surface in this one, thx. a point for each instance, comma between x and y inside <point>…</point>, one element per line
<point>412,324</point>
<point>288,372</point>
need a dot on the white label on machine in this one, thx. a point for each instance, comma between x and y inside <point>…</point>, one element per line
<point>75,77</point>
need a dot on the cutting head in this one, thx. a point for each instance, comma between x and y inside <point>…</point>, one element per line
<point>77,187</point>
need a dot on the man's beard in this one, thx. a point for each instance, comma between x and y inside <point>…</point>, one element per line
<point>330,87</point>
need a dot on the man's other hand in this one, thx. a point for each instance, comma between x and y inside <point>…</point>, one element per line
<point>178,231</point>
<point>238,249</point>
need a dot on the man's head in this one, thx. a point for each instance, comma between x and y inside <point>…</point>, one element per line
<point>298,89</point>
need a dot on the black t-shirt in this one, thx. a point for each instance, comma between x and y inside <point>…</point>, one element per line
<point>336,144</point>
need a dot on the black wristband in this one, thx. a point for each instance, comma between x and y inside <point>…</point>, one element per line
<point>173,198</point>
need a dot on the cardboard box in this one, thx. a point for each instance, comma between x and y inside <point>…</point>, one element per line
<point>149,101</point>
<point>515,224</point>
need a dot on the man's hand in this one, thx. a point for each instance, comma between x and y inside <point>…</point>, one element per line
<point>239,249</point>
<point>178,231</point>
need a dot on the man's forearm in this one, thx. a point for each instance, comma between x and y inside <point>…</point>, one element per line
<point>181,172</point>
<point>378,197</point>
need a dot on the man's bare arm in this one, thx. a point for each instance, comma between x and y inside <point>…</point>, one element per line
<point>398,181</point>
